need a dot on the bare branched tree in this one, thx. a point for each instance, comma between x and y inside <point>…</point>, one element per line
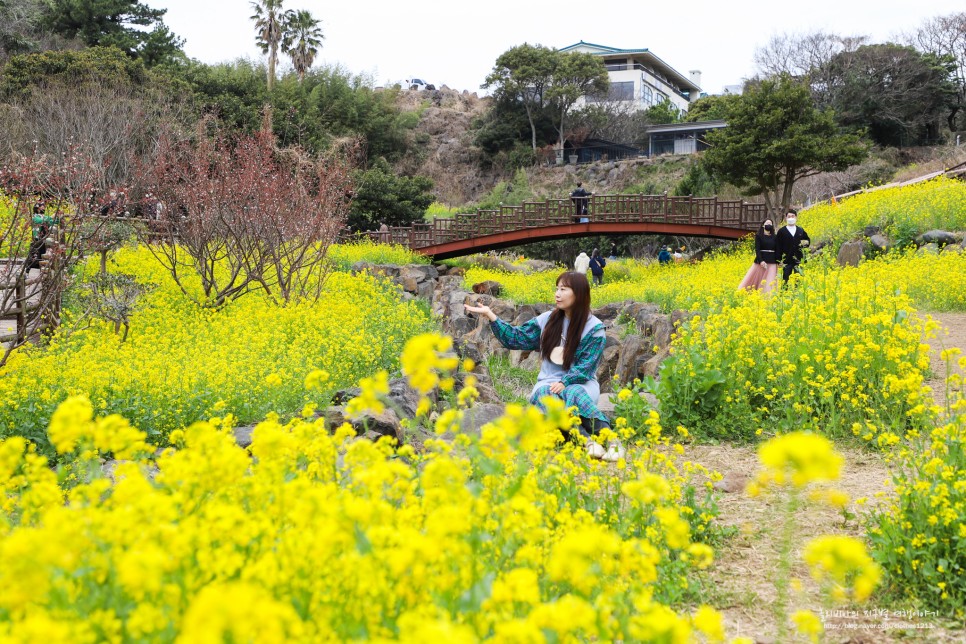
<point>806,56</point>
<point>945,36</point>
<point>42,237</point>
<point>109,123</point>
<point>236,216</point>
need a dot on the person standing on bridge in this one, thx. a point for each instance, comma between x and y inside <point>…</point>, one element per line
<point>571,341</point>
<point>582,263</point>
<point>597,264</point>
<point>764,270</point>
<point>791,239</point>
<point>580,198</point>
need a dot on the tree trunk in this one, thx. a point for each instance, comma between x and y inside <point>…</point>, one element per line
<point>272,56</point>
<point>103,262</point>
<point>533,129</point>
<point>787,192</point>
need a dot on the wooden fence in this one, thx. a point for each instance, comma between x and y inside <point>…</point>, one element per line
<point>14,279</point>
<point>699,212</point>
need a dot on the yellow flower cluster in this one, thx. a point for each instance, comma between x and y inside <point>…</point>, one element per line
<point>798,458</point>
<point>835,350</point>
<point>844,562</point>
<point>365,250</point>
<point>423,359</point>
<point>180,361</point>
<point>327,537</point>
<point>918,532</point>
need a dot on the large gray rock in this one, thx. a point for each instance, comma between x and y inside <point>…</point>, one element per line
<point>608,365</point>
<point>850,253</point>
<point>537,266</point>
<point>488,287</point>
<point>928,249</point>
<point>880,243</point>
<point>478,415</point>
<point>653,364</point>
<point>940,237</point>
<point>243,435</point>
<point>371,426</point>
<point>401,396</point>
<point>634,352</point>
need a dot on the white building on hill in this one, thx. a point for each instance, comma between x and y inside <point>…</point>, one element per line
<point>641,79</point>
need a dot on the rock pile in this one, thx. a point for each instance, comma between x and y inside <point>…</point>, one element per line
<point>638,334</point>
<point>875,241</point>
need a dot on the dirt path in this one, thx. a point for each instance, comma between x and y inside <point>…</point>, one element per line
<point>952,334</point>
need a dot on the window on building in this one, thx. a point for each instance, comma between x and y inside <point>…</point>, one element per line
<point>623,91</point>
<point>647,95</point>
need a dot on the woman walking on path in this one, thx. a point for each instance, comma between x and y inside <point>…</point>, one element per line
<point>765,267</point>
<point>597,264</point>
<point>571,342</point>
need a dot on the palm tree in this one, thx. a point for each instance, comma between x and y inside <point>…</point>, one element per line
<point>302,40</point>
<point>270,22</point>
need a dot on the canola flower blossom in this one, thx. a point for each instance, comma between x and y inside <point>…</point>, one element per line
<point>322,536</point>
<point>845,563</point>
<point>797,459</point>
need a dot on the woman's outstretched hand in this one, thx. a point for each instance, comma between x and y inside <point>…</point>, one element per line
<point>481,309</point>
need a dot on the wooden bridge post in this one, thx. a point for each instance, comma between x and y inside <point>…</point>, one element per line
<point>20,295</point>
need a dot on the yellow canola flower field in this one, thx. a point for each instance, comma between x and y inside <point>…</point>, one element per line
<point>933,282</point>
<point>837,354</point>
<point>320,537</point>
<point>903,213</point>
<point>840,352</point>
<point>182,363</point>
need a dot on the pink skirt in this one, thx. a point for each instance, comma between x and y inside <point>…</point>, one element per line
<point>758,277</point>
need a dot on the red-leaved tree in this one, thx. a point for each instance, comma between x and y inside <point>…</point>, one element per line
<point>233,216</point>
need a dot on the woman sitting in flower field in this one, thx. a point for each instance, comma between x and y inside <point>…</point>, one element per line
<point>571,341</point>
<point>764,270</point>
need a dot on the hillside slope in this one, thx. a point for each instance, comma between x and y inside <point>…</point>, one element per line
<point>444,138</point>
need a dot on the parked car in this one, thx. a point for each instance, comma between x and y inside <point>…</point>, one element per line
<point>417,84</point>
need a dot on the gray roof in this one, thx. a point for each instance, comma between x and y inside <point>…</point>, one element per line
<point>611,52</point>
<point>687,127</point>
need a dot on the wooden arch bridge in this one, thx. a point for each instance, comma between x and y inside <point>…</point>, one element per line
<point>484,230</point>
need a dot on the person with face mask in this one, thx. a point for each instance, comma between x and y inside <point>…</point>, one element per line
<point>791,239</point>
<point>764,270</point>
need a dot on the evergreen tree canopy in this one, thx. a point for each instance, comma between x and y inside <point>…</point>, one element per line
<point>113,23</point>
<point>776,136</point>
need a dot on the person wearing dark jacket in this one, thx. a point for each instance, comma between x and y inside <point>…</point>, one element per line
<point>580,199</point>
<point>597,264</point>
<point>791,239</point>
<point>764,270</point>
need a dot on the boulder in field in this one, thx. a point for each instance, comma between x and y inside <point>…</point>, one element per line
<point>850,253</point>
<point>939,237</point>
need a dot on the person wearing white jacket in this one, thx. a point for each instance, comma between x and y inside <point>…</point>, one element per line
<point>582,263</point>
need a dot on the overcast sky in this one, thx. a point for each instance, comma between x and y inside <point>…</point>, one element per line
<point>455,42</point>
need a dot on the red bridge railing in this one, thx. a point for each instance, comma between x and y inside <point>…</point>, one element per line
<point>735,215</point>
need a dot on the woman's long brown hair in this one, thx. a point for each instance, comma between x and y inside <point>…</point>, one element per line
<point>579,314</point>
